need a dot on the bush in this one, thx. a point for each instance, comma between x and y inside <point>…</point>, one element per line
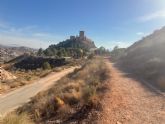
<point>91,56</point>
<point>46,65</point>
<point>89,93</point>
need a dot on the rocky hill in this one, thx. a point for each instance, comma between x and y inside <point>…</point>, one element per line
<point>9,52</point>
<point>146,58</point>
<point>75,47</point>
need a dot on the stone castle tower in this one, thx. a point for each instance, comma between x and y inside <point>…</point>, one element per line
<point>81,34</point>
<point>82,39</point>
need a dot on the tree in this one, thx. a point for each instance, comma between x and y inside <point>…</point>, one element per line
<point>59,53</point>
<point>46,66</point>
<point>48,52</point>
<point>79,53</point>
<point>40,52</point>
<point>102,51</point>
<point>116,47</point>
<point>63,52</point>
<point>117,53</point>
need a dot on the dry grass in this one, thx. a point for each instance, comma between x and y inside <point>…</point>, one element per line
<point>14,118</point>
<point>70,94</point>
<point>23,78</point>
<point>29,76</point>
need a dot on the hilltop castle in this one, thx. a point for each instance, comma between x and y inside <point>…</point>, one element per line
<point>81,37</point>
<point>79,41</point>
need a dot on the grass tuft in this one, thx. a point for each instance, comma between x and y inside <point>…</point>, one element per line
<point>14,118</point>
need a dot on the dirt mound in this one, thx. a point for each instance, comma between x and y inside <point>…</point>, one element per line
<point>4,75</point>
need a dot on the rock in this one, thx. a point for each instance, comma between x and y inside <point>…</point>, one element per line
<point>5,75</point>
<point>118,122</point>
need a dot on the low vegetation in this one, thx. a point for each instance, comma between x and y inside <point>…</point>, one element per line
<point>59,52</point>
<point>72,98</point>
<point>117,53</point>
<point>34,62</point>
<point>23,77</point>
<point>46,66</point>
<point>29,71</point>
<point>14,118</point>
<point>102,52</point>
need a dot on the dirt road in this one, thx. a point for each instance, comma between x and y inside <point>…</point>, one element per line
<point>129,102</point>
<point>16,98</point>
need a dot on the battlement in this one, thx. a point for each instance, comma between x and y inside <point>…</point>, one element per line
<point>80,37</point>
<point>72,37</point>
<point>81,34</point>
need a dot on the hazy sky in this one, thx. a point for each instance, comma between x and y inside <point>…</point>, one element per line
<point>38,23</point>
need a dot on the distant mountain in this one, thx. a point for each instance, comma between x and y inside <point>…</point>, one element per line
<point>10,52</point>
<point>146,58</point>
<point>80,41</point>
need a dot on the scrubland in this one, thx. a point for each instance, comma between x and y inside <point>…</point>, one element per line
<point>72,98</point>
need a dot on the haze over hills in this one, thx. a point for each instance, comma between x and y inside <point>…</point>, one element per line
<point>146,58</point>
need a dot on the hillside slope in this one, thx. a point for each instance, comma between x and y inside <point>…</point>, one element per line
<point>146,58</point>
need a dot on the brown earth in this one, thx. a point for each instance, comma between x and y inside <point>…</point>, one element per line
<point>130,102</point>
<point>5,75</point>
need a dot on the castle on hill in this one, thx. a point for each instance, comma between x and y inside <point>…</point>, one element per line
<point>79,41</point>
<point>81,37</point>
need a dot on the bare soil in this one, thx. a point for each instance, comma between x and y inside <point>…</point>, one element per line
<point>130,102</point>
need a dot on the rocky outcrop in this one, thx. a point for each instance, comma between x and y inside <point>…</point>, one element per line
<point>5,75</point>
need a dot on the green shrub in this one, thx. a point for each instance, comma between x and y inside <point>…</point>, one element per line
<point>89,92</point>
<point>46,65</point>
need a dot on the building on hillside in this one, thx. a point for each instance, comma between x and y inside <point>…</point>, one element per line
<point>80,37</point>
<point>83,40</point>
<point>72,37</point>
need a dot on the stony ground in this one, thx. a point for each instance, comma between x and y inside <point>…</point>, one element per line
<point>130,102</point>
